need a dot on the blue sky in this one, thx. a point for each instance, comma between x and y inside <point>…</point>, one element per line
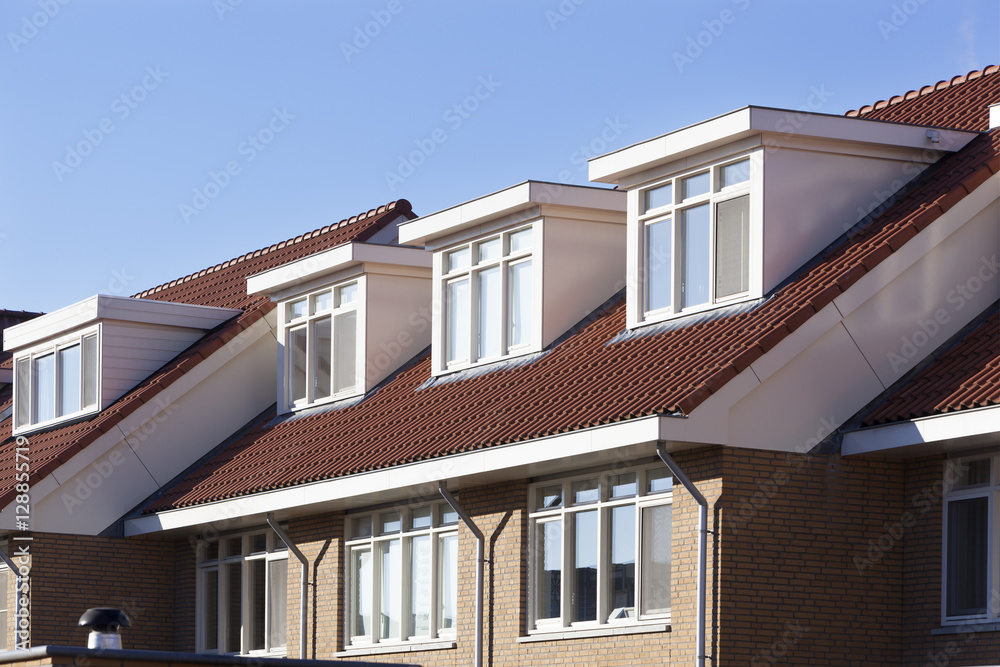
<point>144,140</point>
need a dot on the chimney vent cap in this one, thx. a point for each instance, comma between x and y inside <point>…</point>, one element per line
<point>105,619</point>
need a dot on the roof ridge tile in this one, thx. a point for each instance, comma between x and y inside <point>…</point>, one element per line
<point>925,90</point>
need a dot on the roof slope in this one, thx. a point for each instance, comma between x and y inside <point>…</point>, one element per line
<point>223,285</point>
<point>961,103</point>
<point>593,376</point>
<point>966,376</point>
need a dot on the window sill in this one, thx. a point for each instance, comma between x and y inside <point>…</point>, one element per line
<point>403,647</point>
<point>606,631</point>
<point>968,627</point>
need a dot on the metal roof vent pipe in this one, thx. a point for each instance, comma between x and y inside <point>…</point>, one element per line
<point>104,624</point>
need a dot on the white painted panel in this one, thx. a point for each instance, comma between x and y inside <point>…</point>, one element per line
<point>397,323</point>
<point>930,301</point>
<point>804,401</point>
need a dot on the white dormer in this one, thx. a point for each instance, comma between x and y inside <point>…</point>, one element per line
<point>515,269</point>
<point>725,210</point>
<point>348,317</point>
<point>79,359</point>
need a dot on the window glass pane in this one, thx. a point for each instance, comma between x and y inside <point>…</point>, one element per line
<point>488,250</point>
<point>735,173</point>
<point>488,298</point>
<point>968,549</point>
<point>624,485</point>
<point>695,270</point>
<point>657,197</point>
<point>548,496</point>
<point>322,353</point>
<point>23,397</point>
<point>391,588</point>
<point>584,600</point>
<point>45,388</point>
<point>520,240</point>
<point>732,246</point>
<point>211,551</point>
<point>548,569</point>
<point>447,581</point>
<point>345,361</point>
<point>658,264</point>
<point>297,309</point>
<point>458,320</point>
<point>234,546</point>
<point>347,294</point>
<point>258,543</point>
<point>971,473</point>
<point>258,598</point>
<point>297,362</point>
<point>521,288</point>
<point>210,631</point>
<point>361,592</point>
<point>420,518</point>
<point>457,259</point>
<point>658,480</point>
<point>279,544</point>
<point>448,516</point>
<point>585,491</point>
<point>621,574</point>
<point>234,600</point>
<point>69,380</point>
<point>420,586</point>
<point>322,301</point>
<point>277,608</point>
<point>657,526</point>
<point>390,523</point>
<point>698,184</point>
<point>89,371</point>
<point>362,527</point>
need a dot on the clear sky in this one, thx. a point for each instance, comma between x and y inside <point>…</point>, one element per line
<point>143,140</point>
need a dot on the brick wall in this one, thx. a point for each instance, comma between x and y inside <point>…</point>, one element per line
<point>185,556</point>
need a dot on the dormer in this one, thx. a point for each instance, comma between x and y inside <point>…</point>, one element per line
<point>348,317</point>
<point>514,270</point>
<point>77,360</point>
<point>723,211</point>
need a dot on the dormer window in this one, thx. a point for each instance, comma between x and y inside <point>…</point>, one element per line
<point>57,381</point>
<point>488,291</point>
<point>321,339</point>
<point>695,239</point>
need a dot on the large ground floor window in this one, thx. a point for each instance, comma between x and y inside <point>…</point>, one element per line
<point>600,549</point>
<point>242,601</point>
<point>972,539</point>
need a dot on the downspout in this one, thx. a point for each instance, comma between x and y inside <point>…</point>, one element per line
<point>480,560</point>
<point>661,450</point>
<point>304,593</point>
<point>17,596</point>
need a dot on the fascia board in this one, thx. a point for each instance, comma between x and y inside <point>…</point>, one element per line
<point>51,324</point>
<point>313,267</point>
<point>396,481</point>
<point>936,429</point>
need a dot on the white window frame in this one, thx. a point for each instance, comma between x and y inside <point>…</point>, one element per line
<point>471,272</point>
<point>671,213</point>
<point>26,393</point>
<point>308,322</point>
<point>275,551</point>
<point>643,499</point>
<point>991,492</point>
<point>444,523</point>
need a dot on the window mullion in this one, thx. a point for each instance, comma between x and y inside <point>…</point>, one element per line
<point>603,559</point>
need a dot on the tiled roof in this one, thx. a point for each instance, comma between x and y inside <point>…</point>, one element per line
<point>961,103</point>
<point>593,376</point>
<point>223,285</point>
<point>966,376</point>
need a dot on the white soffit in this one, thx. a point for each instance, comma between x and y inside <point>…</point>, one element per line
<point>333,260</point>
<point>476,212</point>
<point>106,307</point>
<point>778,124</point>
<point>945,432</point>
